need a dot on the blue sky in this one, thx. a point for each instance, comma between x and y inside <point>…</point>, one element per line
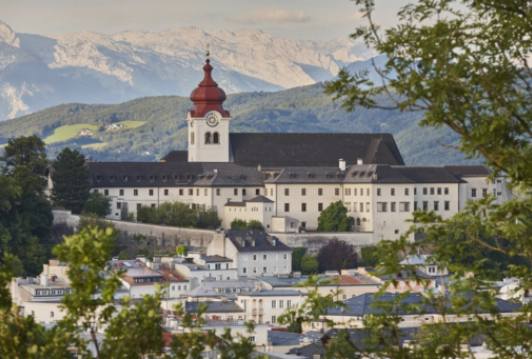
<point>303,19</point>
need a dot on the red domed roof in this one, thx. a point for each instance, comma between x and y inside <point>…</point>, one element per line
<point>207,96</point>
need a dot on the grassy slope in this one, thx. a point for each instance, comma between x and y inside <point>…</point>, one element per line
<point>304,109</point>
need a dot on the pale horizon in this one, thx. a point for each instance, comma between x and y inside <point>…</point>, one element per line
<point>297,19</point>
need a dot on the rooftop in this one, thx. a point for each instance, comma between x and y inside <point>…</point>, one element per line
<point>246,240</point>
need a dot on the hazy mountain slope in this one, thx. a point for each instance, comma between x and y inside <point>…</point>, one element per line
<point>38,72</point>
<point>305,109</point>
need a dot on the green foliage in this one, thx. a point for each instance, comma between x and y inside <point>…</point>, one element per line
<point>179,215</point>
<point>25,213</point>
<point>337,255</point>
<point>309,264</point>
<point>334,218</point>
<point>252,225</point>
<point>70,176</point>
<point>369,256</point>
<point>297,256</point>
<point>97,204</point>
<point>181,250</point>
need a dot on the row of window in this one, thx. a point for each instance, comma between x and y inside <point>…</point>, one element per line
<point>425,191</point>
<point>210,138</point>
<point>303,191</point>
<point>405,206</point>
<point>190,192</point>
<point>484,192</point>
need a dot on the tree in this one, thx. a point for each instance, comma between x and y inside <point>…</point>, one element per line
<point>337,255</point>
<point>369,256</point>
<point>70,176</point>
<point>255,225</point>
<point>238,224</point>
<point>25,213</point>
<point>208,219</point>
<point>309,264</point>
<point>181,250</point>
<point>334,219</point>
<point>297,256</point>
<point>463,64</point>
<point>97,204</point>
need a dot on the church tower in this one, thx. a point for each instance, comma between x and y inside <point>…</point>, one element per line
<point>208,122</point>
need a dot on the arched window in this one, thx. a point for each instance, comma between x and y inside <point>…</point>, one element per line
<point>191,138</point>
<point>207,138</point>
<point>216,138</point>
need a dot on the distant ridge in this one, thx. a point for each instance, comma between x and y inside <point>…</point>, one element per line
<point>148,128</point>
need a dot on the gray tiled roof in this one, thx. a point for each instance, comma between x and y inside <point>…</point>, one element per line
<point>313,149</point>
<point>246,240</point>
<point>214,307</point>
<point>172,174</point>
<point>216,259</point>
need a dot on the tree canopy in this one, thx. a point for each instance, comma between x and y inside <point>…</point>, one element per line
<point>70,177</point>
<point>337,255</point>
<point>334,218</point>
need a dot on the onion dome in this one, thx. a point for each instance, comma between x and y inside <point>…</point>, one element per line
<point>207,96</point>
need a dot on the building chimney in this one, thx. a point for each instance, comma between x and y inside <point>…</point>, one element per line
<point>360,161</point>
<point>341,164</point>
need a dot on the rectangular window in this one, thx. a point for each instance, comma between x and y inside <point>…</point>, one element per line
<point>446,205</point>
<point>205,191</point>
<point>355,191</point>
<point>320,207</point>
<point>151,192</point>
<point>106,192</point>
<point>406,192</point>
<point>436,205</point>
<point>404,206</point>
<point>303,207</point>
<point>381,207</point>
<point>281,303</point>
<point>139,206</point>
<point>367,191</point>
<point>181,191</point>
<point>415,205</point>
<point>303,191</point>
<point>425,205</point>
<point>287,207</point>
<point>361,207</point>
<point>425,191</point>
<point>320,191</point>
<point>431,190</point>
<point>135,192</point>
<point>367,206</point>
<point>190,192</point>
<point>273,303</point>
<point>118,205</point>
<point>257,191</point>
<point>415,190</point>
<point>243,191</point>
<point>392,191</point>
<point>439,191</point>
<point>121,192</point>
<point>347,191</point>
<point>484,192</point>
<point>337,191</point>
<point>473,192</point>
<point>446,190</point>
<point>235,191</point>
<point>217,191</point>
<point>166,192</point>
<point>287,192</point>
<point>392,207</point>
<point>378,191</point>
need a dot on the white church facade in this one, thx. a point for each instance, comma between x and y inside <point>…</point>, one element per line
<point>284,180</point>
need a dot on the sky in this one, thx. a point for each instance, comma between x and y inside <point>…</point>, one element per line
<point>300,19</point>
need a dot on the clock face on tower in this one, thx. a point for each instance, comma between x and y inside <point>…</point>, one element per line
<point>212,118</point>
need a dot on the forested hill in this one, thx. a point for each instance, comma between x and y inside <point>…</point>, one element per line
<point>147,128</point>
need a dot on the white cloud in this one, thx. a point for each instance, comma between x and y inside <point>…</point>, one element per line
<point>272,16</point>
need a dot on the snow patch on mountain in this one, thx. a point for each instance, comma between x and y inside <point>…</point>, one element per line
<point>8,36</point>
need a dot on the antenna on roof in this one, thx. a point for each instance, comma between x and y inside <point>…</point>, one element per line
<point>207,53</point>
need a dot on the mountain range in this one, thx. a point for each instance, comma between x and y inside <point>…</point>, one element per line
<point>38,72</point>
